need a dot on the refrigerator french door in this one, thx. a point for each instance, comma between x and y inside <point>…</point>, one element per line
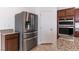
<point>27,25</point>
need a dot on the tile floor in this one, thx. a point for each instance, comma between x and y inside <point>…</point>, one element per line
<point>62,45</point>
<point>45,47</point>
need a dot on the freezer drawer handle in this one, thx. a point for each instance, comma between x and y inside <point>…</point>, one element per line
<point>30,38</point>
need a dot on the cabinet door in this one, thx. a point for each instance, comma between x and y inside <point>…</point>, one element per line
<point>61,13</point>
<point>70,12</point>
<point>77,11</point>
<point>11,42</point>
<point>76,34</point>
<point>77,15</point>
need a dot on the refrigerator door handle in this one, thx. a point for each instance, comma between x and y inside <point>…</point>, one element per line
<point>27,16</point>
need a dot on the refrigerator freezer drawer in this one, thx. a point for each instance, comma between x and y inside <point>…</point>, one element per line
<point>29,35</point>
<point>29,44</point>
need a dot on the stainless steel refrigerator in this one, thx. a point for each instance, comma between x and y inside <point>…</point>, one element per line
<point>27,25</point>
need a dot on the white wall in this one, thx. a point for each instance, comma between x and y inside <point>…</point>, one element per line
<point>60,8</point>
<point>7,16</point>
<point>47,26</point>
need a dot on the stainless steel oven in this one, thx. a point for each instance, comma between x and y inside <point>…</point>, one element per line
<point>66,26</point>
<point>66,31</point>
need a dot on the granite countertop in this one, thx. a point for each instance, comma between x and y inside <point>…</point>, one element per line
<point>7,31</point>
<point>69,38</point>
<point>68,44</point>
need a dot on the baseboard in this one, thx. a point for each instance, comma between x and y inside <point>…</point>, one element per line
<point>46,43</point>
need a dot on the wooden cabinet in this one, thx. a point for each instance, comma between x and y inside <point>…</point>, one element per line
<point>77,11</point>
<point>11,42</point>
<point>70,12</point>
<point>61,13</point>
<point>77,15</point>
<point>76,33</point>
<point>66,12</point>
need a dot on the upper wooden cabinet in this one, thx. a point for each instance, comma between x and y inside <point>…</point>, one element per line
<point>77,14</point>
<point>77,11</point>
<point>61,13</point>
<point>66,12</point>
<point>70,12</point>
